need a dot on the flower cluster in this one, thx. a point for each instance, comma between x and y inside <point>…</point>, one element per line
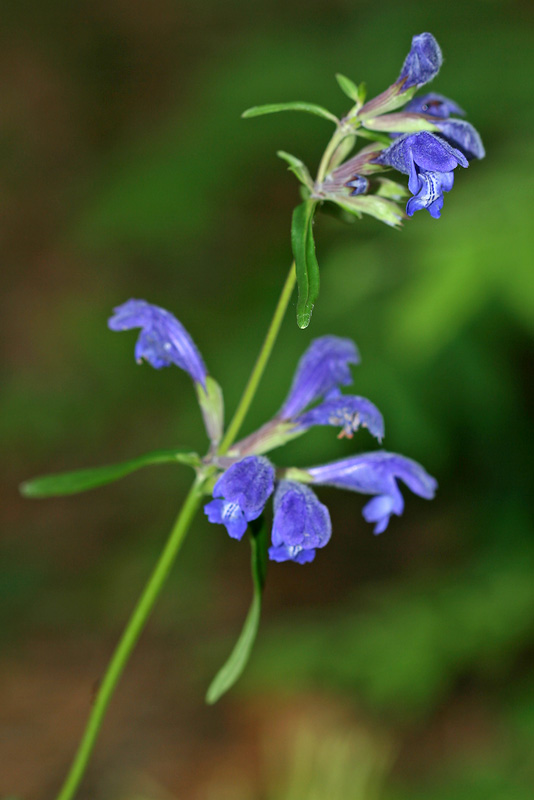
<point>428,144</point>
<point>301,523</point>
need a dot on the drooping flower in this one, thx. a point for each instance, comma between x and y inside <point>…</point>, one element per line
<point>429,162</point>
<point>240,494</point>
<point>301,523</point>
<point>435,105</point>
<point>323,367</point>
<point>377,473</point>
<point>163,339</point>
<point>349,412</point>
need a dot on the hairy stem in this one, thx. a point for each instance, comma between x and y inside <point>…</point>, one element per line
<point>129,639</point>
<point>261,363</point>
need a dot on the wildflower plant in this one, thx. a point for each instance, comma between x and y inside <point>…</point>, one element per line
<point>235,481</point>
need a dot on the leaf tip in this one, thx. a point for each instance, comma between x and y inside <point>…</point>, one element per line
<point>303,319</point>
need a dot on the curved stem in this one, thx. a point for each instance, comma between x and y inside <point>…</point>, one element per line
<point>129,639</point>
<point>261,363</point>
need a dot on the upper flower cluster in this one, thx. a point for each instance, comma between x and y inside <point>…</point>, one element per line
<point>428,144</point>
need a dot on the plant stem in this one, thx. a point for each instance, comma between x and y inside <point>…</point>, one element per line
<point>129,639</point>
<point>161,571</point>
<point>261,363</point>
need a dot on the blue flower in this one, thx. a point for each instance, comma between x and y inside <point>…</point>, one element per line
<point>163,340</point>
<point>422,63</point>
<point>301,524</point>
<point>377,473</point>
<point>240,494</point>
<point>461,134</point>
<point>348,412</point>
<point>323,367</point>
<point>435,105</point>
<point>429,162</point>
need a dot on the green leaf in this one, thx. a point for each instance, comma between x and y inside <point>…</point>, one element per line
<point>348,87</point>
<point>234,666</point>
<point>306,264</point>
<point>297,167</point>
<point>211,402</point>
<point>273,108</point>
<point>83,479</point>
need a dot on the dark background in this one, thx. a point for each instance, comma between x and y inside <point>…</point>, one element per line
<point>393,667</point>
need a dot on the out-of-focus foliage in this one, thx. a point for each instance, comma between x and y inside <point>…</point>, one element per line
<point>127,172</point>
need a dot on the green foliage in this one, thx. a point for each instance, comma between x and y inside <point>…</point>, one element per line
<point>298,168</point>
<point>237,661</point>
<point>83,479</point>
<point>273,108</point>
<point>306,265</point>
<point>348,87</point>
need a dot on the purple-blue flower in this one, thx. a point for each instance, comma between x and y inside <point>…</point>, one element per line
<point>349,412</point>
<point>435,105</point>
<point>163,340</point>
<point>301,523</point>
<point>323,367</point>
<point>429,162</point>
<point>377,473</point>
<point>240,494</point>
<point>461,134</point>
<point>422,63</point>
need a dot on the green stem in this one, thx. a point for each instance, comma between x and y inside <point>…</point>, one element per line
<point>161,571</point>
<point>261,363</point>
<point>129,639</point>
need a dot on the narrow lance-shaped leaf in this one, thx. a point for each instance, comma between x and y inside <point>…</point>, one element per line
<point>348,87</point>
<point>307,268</point>
<point>234,666</point>
<point>297,167</point>
<point>83,479</point>
<point>273,108</point>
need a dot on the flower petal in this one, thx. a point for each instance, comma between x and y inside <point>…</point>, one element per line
<point>323,367</point>
<point>163,339</point>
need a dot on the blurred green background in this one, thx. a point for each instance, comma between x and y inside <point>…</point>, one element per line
<point>394,667</point>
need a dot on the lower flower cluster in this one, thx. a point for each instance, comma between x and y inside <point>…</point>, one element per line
<point>301,523</point>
